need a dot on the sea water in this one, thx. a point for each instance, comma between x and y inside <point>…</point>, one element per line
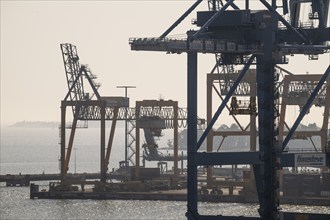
<point>36,151</point>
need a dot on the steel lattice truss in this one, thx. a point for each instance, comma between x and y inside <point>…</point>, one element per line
<point>72,70</point>
<point>93,113</point>
<point>302,87</point>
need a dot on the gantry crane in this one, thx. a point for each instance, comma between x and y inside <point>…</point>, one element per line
<point>293,90</point>
<point>247,37</point>
<point>89,105</point>
<point>85,107</point>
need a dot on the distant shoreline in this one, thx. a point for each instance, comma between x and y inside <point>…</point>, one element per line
<point>35,124</point>
<point>51,124</point>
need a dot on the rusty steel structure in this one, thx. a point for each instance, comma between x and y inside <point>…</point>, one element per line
<point>86,107</point>
<point>89,105</point>
<point>151,121</point>
<point>295,91</point>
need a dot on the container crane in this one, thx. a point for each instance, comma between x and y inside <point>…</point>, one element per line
<point>246,37</point>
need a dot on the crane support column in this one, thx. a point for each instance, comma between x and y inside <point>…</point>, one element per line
<point>70,144</point>
<point>192,212</point>
<point>175,138</point>
<point>209,138</point>
<point>103,164</point>
<point>111,136</point>
<point>266,176</point>
<point>63,114</point>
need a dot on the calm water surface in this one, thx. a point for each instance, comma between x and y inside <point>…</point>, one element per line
<point>36,150</point>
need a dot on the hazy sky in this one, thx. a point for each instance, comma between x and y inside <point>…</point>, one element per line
<point>32,73</point>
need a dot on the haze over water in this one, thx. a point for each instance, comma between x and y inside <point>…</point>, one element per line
<point>36,150</point>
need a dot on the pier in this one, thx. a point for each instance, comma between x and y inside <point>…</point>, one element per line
<point>26,179</point>
<point>170,195</point>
